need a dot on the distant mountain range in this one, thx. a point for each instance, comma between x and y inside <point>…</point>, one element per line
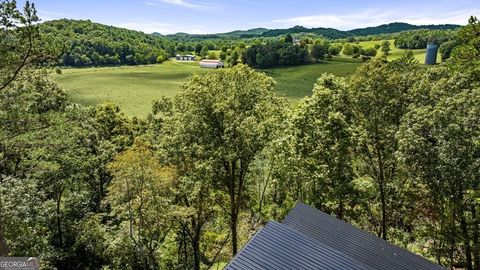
<point>330,33</point>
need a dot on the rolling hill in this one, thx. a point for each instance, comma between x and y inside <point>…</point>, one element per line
<point>329,33</point>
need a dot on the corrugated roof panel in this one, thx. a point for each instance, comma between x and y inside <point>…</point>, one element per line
<point>277,246</point>
<point>361,245</point>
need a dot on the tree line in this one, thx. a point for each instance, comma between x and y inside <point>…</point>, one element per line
<point>419,39</point>
<point>393,149</point>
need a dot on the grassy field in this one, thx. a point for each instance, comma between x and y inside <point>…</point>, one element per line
<point>295,83</point>
<point>134,88</point>
<point>396,52</point>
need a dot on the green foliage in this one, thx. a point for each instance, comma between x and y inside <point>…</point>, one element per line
<point>93,44</point>
<point>385,47</point>
<point>334,49</point>
<point>322,146</point>
<point>212,55</point>
<point>58,70</point>
<point>398,27</point>
<point>204,51</point>
<point>140,196</point>
<point>21,45</point>
<point>224,120</point>
<point>419,39</point>
<point>466,55</point>
<point>232,58</point>
<point>408,58</point>
<point>319,51</point>
<point>275,54</point>
<point>288,38</point>
<point>379,98</point>
<point>370,52</point>
<point>438,142</point>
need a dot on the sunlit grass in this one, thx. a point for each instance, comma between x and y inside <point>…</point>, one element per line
<point>134,88</point>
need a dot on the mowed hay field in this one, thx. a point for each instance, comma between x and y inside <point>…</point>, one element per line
<point>134,88</point>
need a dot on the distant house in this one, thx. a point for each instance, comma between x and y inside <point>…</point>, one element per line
<point>187,57</point>
<point>310,239</point>
<point>211,64</point>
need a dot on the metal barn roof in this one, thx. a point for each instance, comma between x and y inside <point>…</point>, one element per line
<point>311,239</point>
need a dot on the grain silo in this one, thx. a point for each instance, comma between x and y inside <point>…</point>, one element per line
<point>431,56</point>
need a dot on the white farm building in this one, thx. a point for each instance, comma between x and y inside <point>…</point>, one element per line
<point>187,57</point>
<point>211,64</point>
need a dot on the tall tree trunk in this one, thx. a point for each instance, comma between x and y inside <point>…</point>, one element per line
<point>384,211</point>
<point>452,238</point>
<point>340,209</point>
<point>3,243</point>
<point>476,251</point>
<point>59,220</point>
<point>196,253</point>
<point>381,184</point>
<point>466,239</point>
<point>233,229</point>
<point>234,205</point>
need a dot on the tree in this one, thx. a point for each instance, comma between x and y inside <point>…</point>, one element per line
<point>385,47</point>
<point>274,53</point>
<point>323,145</point>
<point>370,52</point>
<point>195,208</point>
<point>180,48</point>
<point>319,51</point>
<point>223,55</point>
<point>379,96</point>
<point>232,58</point>
<point>224,119</point>
<point>408,58</point>
<point>334,49</point>
<point>288,38</point>
<point>198,49</point>
<point>437,143</point>
<point>204,51</point>
<point>466,54</point>
<point>348,49</point>
<point>21,45</point>
<point>212,55</point>
<point>140,197</point>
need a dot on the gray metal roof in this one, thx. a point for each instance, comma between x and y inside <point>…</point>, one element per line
<point>311,239</point>
<point>278,246</point>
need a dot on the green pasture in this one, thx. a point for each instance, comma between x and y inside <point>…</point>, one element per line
<point>134,88</point>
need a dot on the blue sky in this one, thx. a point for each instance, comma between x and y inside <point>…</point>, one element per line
<point>213,16</point>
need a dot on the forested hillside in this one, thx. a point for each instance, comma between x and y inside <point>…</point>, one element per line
<point>393,149</point>
<point>85,43</point>
<point>328,33</point>
<point>92,44</point>
<point>398,27</point>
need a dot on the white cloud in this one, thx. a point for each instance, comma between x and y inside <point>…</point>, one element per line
<point>48,15</point>
<point>374,17</point>
<point>184,3</point>
<point>163,28</point>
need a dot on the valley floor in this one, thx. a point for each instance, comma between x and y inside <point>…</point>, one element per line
<point>134,88</point>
